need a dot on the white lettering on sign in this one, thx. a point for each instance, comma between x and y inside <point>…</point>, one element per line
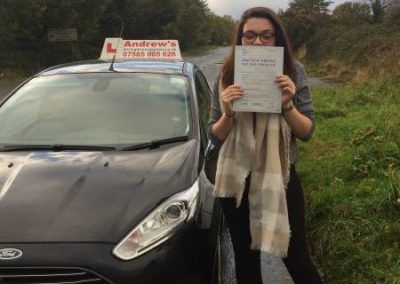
<point>62,34</point>
<point>140,49</point>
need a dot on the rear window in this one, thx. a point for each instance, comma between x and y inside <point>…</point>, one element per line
<point>97,108</point>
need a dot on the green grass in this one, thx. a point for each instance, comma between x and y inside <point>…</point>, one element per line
<point>351,174</point>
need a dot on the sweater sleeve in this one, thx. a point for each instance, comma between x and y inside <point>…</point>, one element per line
<point>215,114</point>
<point>302,99</point>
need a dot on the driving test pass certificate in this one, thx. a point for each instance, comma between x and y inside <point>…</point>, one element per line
<point>256,68</point>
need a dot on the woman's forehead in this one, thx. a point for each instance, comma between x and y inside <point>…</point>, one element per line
<point>258,25</point>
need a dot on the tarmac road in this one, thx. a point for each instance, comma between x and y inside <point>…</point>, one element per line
<point>6,87</point>
<point>209,61</point>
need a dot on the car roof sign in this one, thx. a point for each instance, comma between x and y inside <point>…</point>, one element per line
<point>127,50</point>
<point>109,48</point>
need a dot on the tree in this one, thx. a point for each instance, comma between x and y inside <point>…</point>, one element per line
<point>351,13</point>
<point>220,29</point>
<point>142,19</point>
<point>191,24</point>
<point>302,18</point>
<point>392,16</point>
<point>378,9</point>
<point>83,15</point>
<point>24,25</point>
<point>308,6</point>
<point>21,30</point>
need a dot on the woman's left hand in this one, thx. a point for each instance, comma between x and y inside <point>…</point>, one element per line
<point>287,86</point>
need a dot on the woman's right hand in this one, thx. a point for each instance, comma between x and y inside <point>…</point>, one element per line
<point>229,95</point>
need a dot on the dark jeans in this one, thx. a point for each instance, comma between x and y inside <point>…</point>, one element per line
<point>247,261</point>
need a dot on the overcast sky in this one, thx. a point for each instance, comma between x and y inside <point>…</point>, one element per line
<point>236,7</point>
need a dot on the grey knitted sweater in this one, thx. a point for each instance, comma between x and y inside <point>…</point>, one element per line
<point>302,101</point>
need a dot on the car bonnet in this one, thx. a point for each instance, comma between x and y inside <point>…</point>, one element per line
<point>74,196</point>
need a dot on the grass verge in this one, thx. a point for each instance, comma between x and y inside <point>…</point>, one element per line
<point>351,173</point>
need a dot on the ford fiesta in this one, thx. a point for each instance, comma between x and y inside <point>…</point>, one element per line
<point>101,176</point>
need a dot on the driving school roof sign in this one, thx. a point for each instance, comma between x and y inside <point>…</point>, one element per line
<point>140,49</point>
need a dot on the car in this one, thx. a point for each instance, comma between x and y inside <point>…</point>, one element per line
<point>102,176</point>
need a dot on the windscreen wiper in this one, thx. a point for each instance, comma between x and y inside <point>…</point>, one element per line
<point>54,147</point>
<point>155,143</point>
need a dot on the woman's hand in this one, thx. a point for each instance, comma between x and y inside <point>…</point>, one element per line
<point>299,124</point>
<point>288,88</point>
<point>229,95</point>
<point>224,125</point>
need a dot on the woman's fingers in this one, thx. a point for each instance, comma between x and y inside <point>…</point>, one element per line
<point>232,88</point>
<point>286,84</point>
<point>232,98</point>
<point>231,93</point>
<point>287,89</point>
<point>286,81</point>
<point>282,77</point>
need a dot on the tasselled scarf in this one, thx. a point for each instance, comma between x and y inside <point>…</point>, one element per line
<point>263,152</point>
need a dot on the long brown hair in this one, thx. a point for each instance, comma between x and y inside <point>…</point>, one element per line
<point>281,39</point>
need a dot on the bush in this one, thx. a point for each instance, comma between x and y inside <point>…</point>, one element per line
<point>370,48</point>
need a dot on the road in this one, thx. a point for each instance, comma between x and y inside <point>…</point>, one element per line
<point>209,61</point>
<point>6,87</point>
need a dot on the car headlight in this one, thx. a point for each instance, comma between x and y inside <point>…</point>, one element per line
<point>160,224</point>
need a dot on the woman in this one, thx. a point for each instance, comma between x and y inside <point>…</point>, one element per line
<point>260,192</point>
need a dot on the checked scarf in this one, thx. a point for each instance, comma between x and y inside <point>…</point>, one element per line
<point>265,154</point>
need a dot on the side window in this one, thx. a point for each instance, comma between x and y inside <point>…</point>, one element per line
<point>203,98</point>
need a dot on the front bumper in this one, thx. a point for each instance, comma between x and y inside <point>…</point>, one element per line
<point>176,259</point>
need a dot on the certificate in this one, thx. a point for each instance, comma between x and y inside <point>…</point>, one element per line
<point>256,68</point>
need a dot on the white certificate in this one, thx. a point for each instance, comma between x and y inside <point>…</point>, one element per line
<point>256,68</point>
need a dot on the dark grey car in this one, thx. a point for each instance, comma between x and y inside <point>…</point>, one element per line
<point>101,176</point>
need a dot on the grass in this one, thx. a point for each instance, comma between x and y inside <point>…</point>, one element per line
<point>351,172</point>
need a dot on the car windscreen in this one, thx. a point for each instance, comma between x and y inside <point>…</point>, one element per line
<point>96,109</point>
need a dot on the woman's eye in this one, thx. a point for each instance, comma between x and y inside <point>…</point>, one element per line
<point>266,37</point>
<point>250,35</point>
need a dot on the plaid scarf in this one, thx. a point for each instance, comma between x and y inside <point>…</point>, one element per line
<point>265,154</point>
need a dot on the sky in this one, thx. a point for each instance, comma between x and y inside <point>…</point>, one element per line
<point>236,7</point>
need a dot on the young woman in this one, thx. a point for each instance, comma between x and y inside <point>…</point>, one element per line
<point>256,180</point>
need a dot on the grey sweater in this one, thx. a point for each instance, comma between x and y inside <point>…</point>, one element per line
<point>301,100</point>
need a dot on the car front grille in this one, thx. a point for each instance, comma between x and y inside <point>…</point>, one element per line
<point>19,275</point>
